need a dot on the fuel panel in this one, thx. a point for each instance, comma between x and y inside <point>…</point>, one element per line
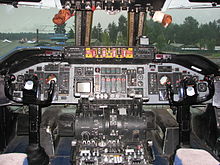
<point>102,81</point>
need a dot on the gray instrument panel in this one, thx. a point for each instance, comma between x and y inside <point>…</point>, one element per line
<point>102,81</point>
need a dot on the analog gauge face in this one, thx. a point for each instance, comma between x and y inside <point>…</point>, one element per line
<point>164,79</point>
<point>202,87</point>
<point>140,83</point>
<point>195,78</point>
<point>20,78</point>
<point>140,77</point>
<point>51,77</point>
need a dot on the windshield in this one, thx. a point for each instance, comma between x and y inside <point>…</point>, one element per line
<point>193,31</point>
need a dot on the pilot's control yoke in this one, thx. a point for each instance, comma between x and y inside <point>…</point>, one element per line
<point>31,97</point>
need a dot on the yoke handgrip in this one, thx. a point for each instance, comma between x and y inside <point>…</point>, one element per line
<point>29,94</point>
<point>190,100</point>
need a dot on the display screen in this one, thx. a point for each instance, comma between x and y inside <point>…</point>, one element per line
<point>83,87</point>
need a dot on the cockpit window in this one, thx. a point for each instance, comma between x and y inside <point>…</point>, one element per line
<point>193,31</point>
<point>109,28</point>
<point>110,82</point>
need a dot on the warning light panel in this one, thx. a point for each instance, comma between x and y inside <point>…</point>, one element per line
<point>109,52</point>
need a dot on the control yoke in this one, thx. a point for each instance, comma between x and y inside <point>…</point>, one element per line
<point>188,93</point>
<point>31,91</point>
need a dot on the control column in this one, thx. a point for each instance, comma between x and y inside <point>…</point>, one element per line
<point>35,153</point>
<point>188,96</point>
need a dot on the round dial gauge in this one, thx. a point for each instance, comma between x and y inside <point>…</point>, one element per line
<point>202,87</point>
<point>163,80</point>
<point>20,78</point>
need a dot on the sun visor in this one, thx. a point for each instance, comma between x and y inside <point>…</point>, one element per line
<point>14,1</point>
<point>34,3</point>
<point>185,4</point>
<point>206,1</point>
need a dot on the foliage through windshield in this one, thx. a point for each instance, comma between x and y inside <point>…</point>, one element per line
<point>191,36</point>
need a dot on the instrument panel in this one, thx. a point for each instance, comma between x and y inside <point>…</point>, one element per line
<point>103,82</point>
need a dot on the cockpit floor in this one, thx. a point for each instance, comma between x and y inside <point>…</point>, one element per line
<point>62,153</point>
<point>61,156</point>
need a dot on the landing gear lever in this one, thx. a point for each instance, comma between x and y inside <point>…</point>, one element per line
<point>188,96</point>
<point>35,153</point>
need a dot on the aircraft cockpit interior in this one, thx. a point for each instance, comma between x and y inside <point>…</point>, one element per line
<point>109,105</point>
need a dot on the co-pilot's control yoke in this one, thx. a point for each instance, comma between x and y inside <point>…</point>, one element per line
<point>188,95</point>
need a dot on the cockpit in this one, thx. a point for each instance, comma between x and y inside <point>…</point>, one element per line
<point>109,105</point>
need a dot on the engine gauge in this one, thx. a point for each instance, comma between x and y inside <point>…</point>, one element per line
<point>140,83</point>
<point>202,87</point>
<point>196,78</point>
<point>164,79</point>
<point>20,78</point>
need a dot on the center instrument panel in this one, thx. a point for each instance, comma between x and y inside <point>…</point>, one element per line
<point>107,81</point>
